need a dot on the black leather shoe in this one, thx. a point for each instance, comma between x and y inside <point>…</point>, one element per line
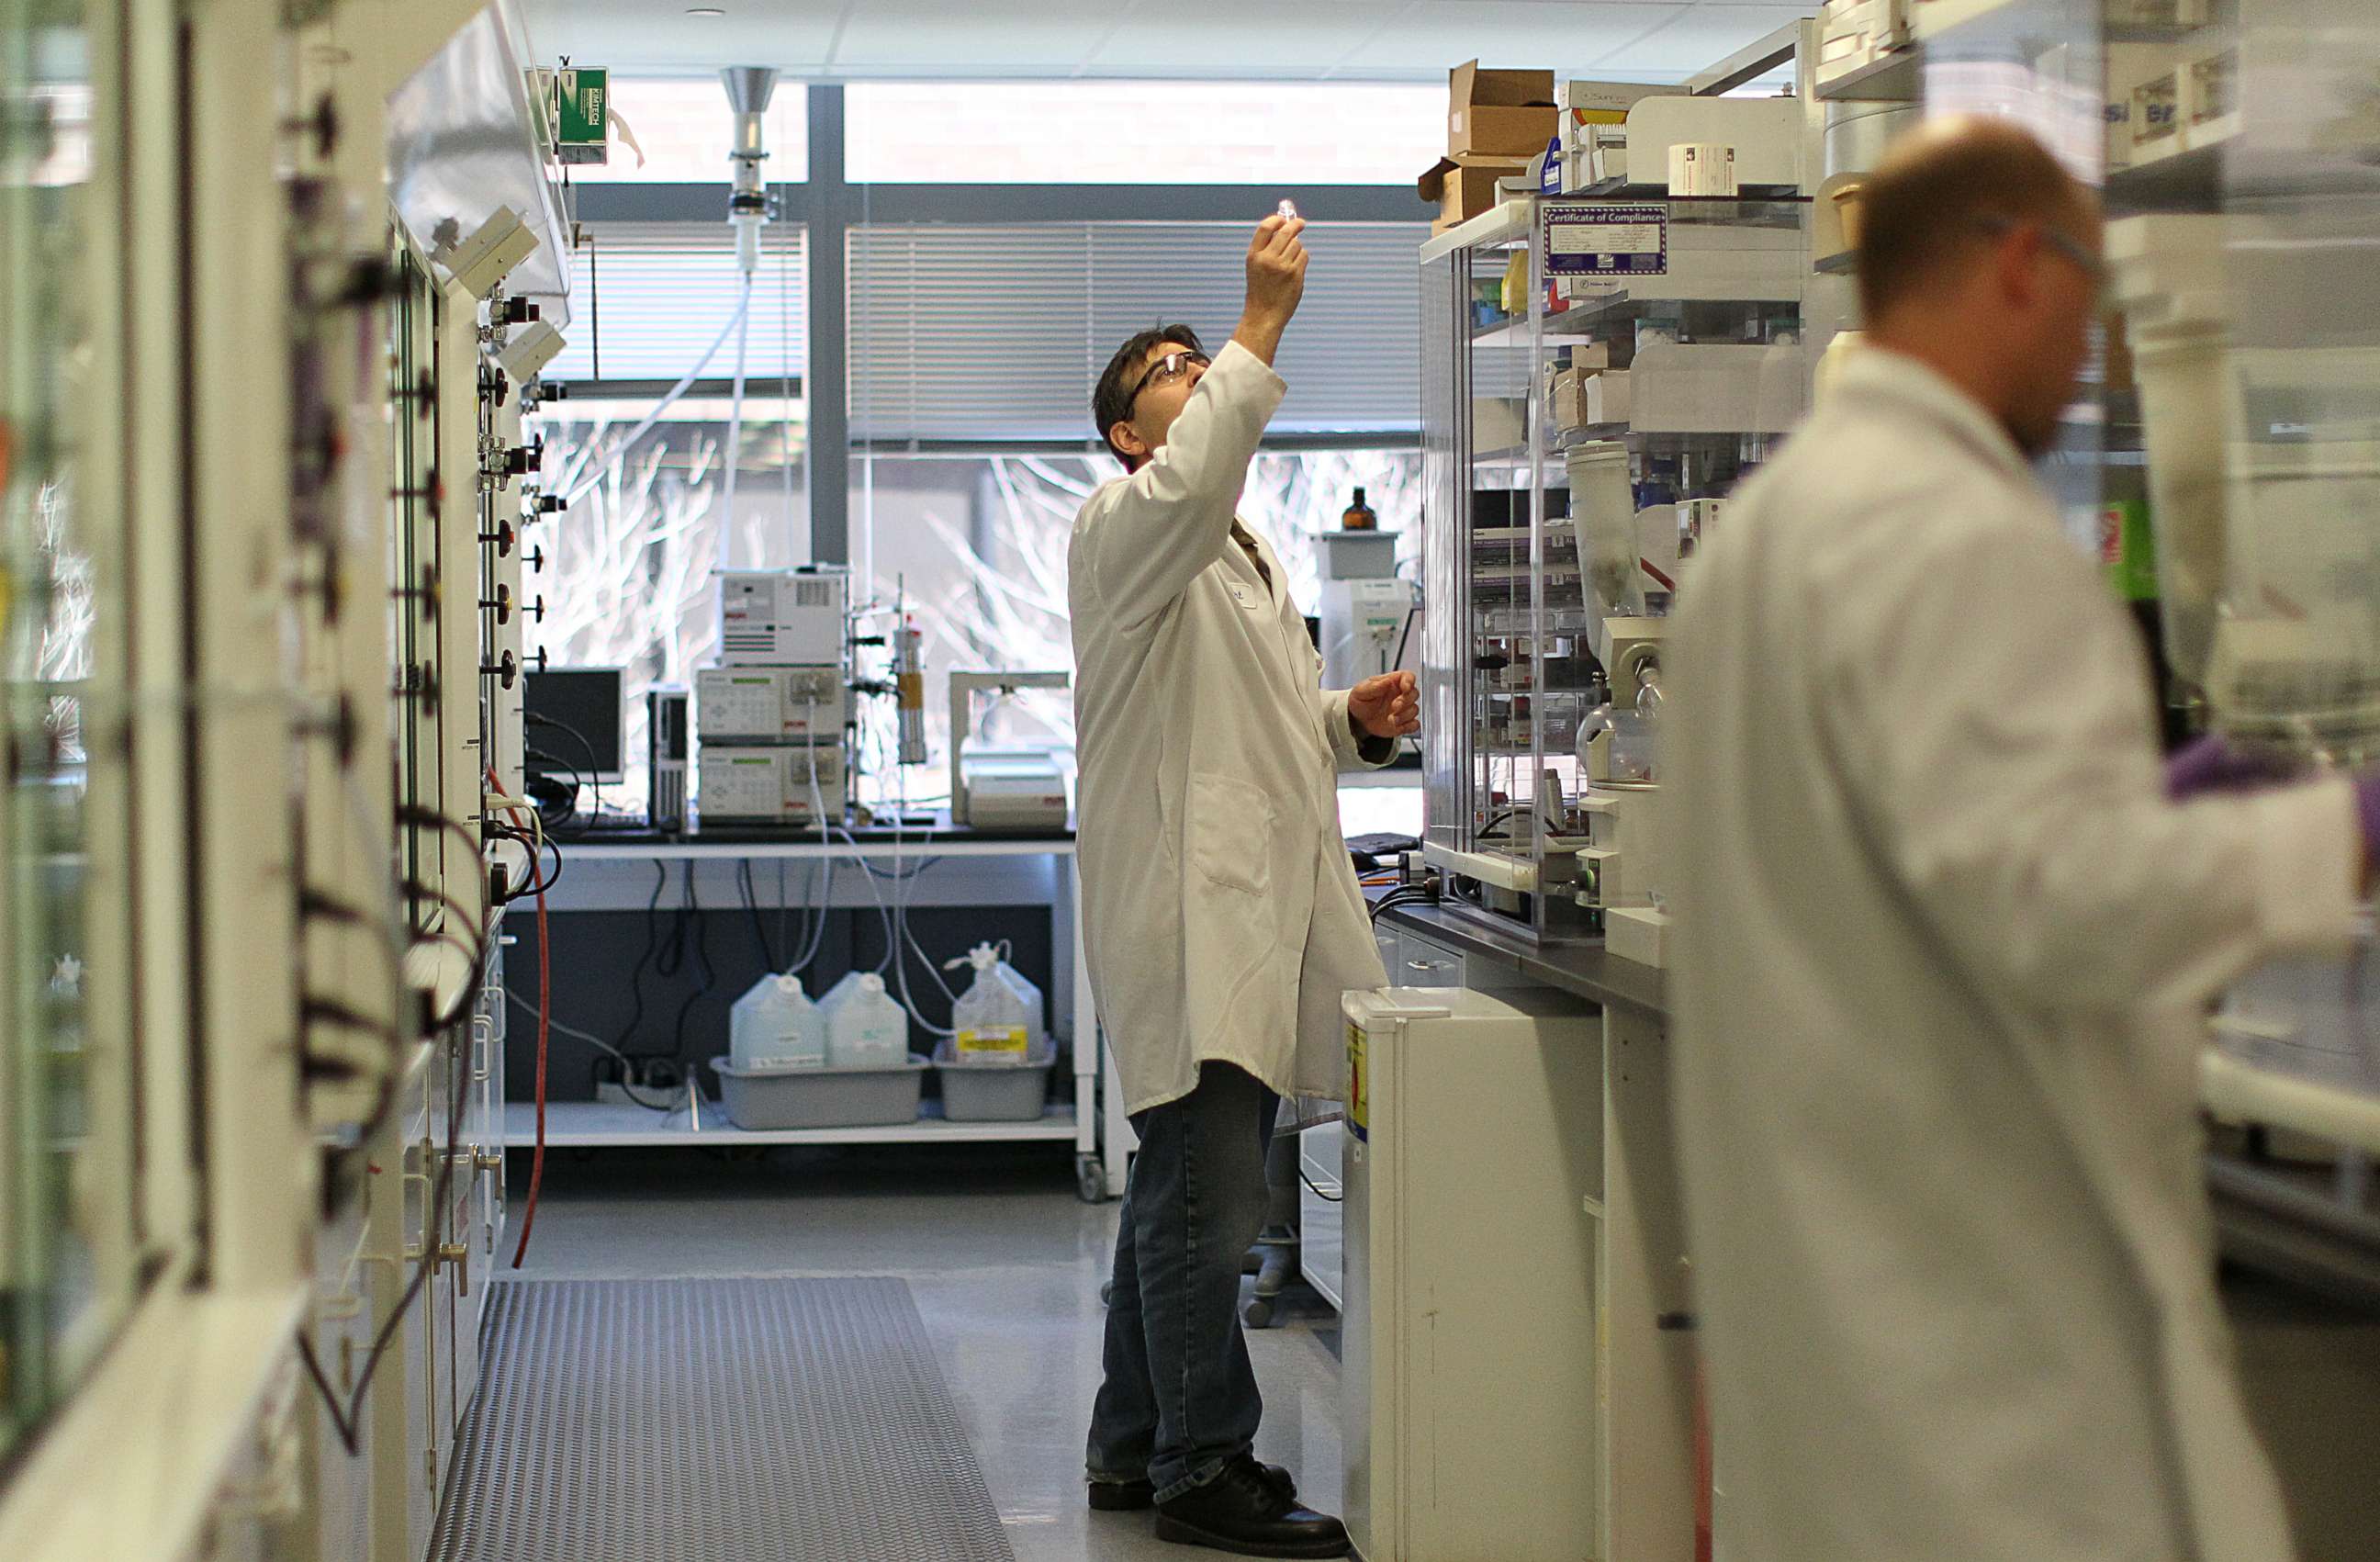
<point>1134,1496</point>
<point>1245,1512</point>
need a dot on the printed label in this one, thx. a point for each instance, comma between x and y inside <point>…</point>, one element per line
<point>1606,240</point>
<point>992,1040</point>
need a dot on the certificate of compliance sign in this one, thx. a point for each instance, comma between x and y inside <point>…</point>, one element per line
<point>1606,240</point>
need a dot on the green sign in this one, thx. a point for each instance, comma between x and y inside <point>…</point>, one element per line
<point>582,108</point>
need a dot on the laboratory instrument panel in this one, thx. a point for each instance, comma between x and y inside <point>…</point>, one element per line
<point>264,501</point>
<point>1598,376</point>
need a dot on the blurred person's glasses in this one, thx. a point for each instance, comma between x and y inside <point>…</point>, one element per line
<point>2093,268</point>
<point>1173,366</point>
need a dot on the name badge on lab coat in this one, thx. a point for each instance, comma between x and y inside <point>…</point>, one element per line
<point>1242,595</point>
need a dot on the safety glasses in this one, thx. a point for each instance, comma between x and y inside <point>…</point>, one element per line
<point>1165,371</point>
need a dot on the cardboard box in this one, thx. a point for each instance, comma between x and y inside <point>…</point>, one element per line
<point>1462,188</point>
<point>1498,423</point>
<point>1588,358</point>
<point>2129,66</point>
<point>1605,399</point>
<point>1506,113</point>
<point>1567,407</point>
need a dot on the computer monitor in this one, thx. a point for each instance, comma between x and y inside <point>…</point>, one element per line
<point>574,715</point>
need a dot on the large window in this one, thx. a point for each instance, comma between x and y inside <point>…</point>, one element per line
<point>648,300</point>
<point>1142,132</point>
<point>998,332</point>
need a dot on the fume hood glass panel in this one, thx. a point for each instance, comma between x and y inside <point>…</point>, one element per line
<point>67,1188</point>
<point>1597,376</point>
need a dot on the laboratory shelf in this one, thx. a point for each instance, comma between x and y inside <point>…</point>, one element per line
<point>1891,78</point>
<point>2190,179</point>
<point>743,847</point>
<point>2229,1088</point>
<point>589,1125</point>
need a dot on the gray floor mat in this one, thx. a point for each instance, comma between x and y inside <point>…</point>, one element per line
<point>714,1421</point>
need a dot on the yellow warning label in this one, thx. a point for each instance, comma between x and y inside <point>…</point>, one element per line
<point>992,1040</point>
<point>1359,1085</point>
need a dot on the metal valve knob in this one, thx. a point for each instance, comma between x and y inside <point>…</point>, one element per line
<point>502,537</point>
<point>501,604</point>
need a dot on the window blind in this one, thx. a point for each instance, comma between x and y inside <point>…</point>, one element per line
<point>995,332</point>
<point>660,292</point>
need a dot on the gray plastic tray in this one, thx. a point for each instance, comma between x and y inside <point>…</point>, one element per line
<point>821,1098</point>
<point>995,1092</point>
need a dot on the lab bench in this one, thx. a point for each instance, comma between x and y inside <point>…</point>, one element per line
<point>975,870</point>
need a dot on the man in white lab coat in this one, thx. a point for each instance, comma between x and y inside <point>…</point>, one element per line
<point>1221,917</point>
<point>1946,946</point>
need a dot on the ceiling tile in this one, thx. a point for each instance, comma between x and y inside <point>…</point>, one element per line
<point>1701,37</point>
<point>1437,34</point>
<point>1044,36</point>
<point>1243,37</point>
<point>1406,40</point>
<point>641,38</point>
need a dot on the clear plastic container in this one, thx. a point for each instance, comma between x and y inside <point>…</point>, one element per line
<point>1000,1017</point>
<point>865,1027</point>
<point>775,1028</point>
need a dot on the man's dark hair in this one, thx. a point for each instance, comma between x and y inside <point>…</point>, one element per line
<point>1112,401</point>
<point>1937,198</point>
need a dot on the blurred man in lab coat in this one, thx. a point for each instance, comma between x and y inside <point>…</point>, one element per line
<point>1222,918</point>
<point>1947,940</point>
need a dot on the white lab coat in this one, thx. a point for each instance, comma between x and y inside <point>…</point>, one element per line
<point>1943,953</point>
<point>1221,917</point>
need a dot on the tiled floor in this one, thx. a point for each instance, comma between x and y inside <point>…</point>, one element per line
<point>1006,1264</point>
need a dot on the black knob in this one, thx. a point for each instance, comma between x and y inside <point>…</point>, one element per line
<point>536,610</point>
<point>535,560</point>
<point>502,537</point>
<point>522,459</point>
<point>322,124</point>
<point>501,604</point>
<point>370,280</point>
<point>540,658</point>
<point>503,670</point>
<point>519,312</point>
<point>550,504</point>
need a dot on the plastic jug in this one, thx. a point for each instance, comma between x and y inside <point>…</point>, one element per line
<point>774,1027</point>
<point>866,1027</point>
<point>1001,1015</point>
<point>835,997</point>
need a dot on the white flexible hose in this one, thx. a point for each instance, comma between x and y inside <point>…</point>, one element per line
<point>669,399</point>
<point>735,452</point>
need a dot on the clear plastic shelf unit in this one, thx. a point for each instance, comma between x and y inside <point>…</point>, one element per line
<point>1598,376</point>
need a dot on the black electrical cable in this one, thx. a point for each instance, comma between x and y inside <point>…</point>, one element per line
<point>690,907</point>
<point>637,976</point>
<point>752,908</point>
<point>536,885</point>
<point>414,813</point>
<point>420,891</point>
<point>345,1418</point>
<point>594,772</point>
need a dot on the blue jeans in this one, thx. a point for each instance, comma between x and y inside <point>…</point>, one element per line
<point>1180,1401</point>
